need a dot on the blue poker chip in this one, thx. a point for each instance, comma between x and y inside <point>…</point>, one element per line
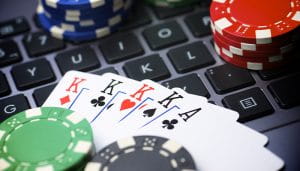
<point>82,20</point>
<point>78,4</point>
<point>76,36</point>
<point>88,24</point>
<point>104,10</point>
<point>146,153</point>
<point>99,17</point>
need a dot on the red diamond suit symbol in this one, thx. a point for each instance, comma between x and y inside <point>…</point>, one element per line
<point>65,99</point>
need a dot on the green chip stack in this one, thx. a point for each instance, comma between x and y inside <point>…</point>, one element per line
<point>47,139</point>
<point>171,3</point>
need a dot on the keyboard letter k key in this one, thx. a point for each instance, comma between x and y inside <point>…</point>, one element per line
<point>146,68</point>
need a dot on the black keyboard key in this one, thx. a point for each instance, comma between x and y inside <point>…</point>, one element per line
<point>32,74</point>
<point>227,78</point>
<point>250,104</point>
<point>40,95</point>
<point>4,87</point>
<point>163,12</point>
<point>9,53</point>
<point>137,17</point>
<point>272,74</point>
<point>199,24</point>
<point>205,3</point>
<point>150,67</point>
<point>12,105</point>
<point>119,47</point>
<point>190,83</point>
<point>190,57</point>
<point>13,27</point>
<point>81,59</point>
<point>164,35</point>
<point>286,91</point>
<point>106,70</point>
<point>40,43</point>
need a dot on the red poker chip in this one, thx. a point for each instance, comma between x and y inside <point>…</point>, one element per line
<point>252,64</point>
<point>257,22</point>
<point>267,48</point>
<point>252,54</point>
<point>269,59</point>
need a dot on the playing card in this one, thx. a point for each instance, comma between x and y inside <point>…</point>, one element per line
<point>210,144</point>
<point>209,140</point>
<point>138,120</point>
<point>69,88</point>
<point>136,99</point>
<point>134,93</point>
<point>177,119</point>
<point>87,93</point>
<point>161,102</point>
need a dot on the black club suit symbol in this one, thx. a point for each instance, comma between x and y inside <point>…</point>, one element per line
<point>169,124</point>
<point>98,102</point>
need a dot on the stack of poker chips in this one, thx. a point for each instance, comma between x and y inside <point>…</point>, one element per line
<point>82,20</point>
<point>256,35</point>
<point>171,3</point>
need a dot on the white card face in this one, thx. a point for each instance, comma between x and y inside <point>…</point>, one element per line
<point>187,117</point>
<point>140,95</point>
<point>210,140</point>
<point>137,97</point>
<point>69,87</point>
<point>164,104</point>
<point>153,106</point>
<point>134,94</point>
<point>87,93</point>
<point>223,119</point>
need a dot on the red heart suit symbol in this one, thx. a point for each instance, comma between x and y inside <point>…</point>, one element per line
<point>126,104</point>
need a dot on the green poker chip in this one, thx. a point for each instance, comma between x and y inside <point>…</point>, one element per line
<point>45,139</point>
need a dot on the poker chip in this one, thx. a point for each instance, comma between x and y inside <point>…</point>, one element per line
<point>145,153</point>
<point>171,3</point>
<point>46,138</point>
<point>82,20</point>
<point>253,21</point>
<point>267,48</point>
<point>255,54</point>
<point>256,35</point>
<point>252,64</point>
<point>79,4</point>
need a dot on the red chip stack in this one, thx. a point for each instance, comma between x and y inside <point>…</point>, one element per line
<point>256,34</point>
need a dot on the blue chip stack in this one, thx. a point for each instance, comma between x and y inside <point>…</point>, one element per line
<point>82,20</point>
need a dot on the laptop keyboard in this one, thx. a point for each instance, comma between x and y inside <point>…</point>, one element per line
<point>171,46</point>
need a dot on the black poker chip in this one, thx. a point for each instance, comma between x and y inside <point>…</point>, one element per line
<point>142,153</point>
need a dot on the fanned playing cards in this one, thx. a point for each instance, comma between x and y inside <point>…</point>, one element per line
<point>118,107</point>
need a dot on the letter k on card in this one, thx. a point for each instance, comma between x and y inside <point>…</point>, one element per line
<point>135,97</point>
<point>70,87</point>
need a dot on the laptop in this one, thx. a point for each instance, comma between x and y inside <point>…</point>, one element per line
<point>268,101</point>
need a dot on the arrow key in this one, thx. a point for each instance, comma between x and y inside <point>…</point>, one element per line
<point>150,67</point>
